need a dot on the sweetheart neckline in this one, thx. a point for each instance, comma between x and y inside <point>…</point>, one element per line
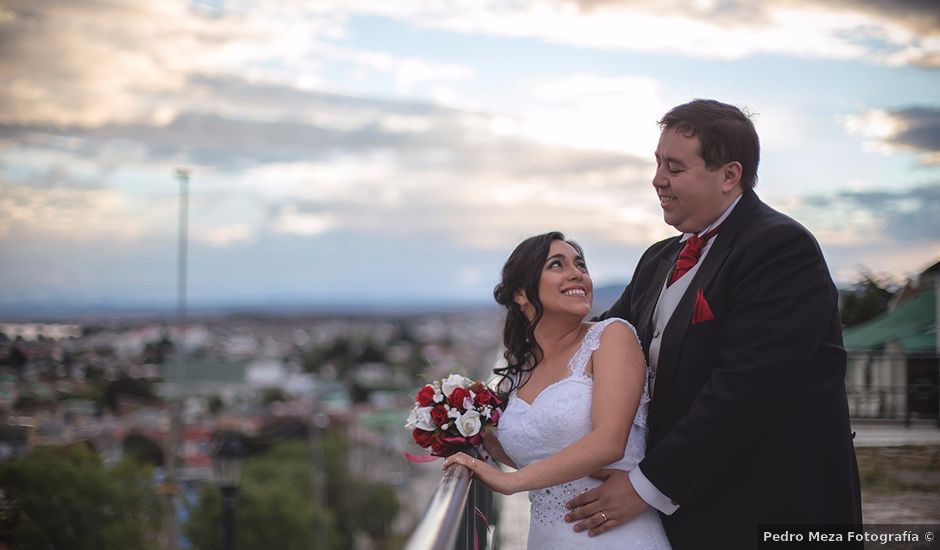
<point>571,373</point>
<point>571,376</point>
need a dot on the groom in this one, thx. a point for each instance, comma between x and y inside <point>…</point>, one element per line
<point>748,423</point>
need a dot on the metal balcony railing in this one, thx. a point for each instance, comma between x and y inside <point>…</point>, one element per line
<point>460,516</point>
<point>893,386</point>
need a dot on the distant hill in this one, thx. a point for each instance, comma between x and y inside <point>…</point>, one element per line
<point>605,296</point>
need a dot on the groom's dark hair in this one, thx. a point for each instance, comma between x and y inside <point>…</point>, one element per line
<point>725,134</point>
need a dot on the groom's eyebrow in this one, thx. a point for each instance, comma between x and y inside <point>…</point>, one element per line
<point>673,160</point>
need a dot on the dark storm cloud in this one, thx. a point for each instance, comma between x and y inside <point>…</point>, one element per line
<point>921,16</point>
<point>921,128</point>
<point>909,215</point>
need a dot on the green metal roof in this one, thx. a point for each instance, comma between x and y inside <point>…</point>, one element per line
<point>912,324</point>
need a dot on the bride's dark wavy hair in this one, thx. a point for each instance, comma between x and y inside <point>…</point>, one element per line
<point>523,272</point>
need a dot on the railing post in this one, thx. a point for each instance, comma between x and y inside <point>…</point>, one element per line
<point>475,530</point>
<point>437,529</point>
<point>452,521</point>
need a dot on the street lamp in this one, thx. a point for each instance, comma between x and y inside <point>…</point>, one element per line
<point>228,457</point>
<point>183,176</point>
<point>174,399</point>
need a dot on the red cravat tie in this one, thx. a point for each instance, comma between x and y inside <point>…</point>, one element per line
<point>689,254</point>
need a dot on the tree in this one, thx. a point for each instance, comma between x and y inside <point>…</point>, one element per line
<point>129,386</point>
<point>359,505</point>
<point>274,508</point>
<point>376,504</point>
<point>215,404</point>
<point>65,498</point>
<point>272,395</point>
<point>866,299</point>
<point>142,449</point>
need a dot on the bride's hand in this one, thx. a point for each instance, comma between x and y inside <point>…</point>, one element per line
<point>492,477</point>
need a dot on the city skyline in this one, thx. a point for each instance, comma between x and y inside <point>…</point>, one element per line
<point>393,154</point>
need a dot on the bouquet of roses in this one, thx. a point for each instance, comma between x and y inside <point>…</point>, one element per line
<point>450,415</point>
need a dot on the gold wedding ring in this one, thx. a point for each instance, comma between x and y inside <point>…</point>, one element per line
<point>603,515</point>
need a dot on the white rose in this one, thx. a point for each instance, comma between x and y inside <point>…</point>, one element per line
<point>420,417</point>
<point>453,382</point>
<point>469,424</point>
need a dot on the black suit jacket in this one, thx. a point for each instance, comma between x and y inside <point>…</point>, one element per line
<point>748,422</point>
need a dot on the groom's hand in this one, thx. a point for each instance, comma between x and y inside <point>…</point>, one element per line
<point>613,503</point>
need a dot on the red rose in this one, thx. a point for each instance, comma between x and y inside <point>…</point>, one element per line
<point>425,396</point>
<point>457,396</point>
<point>439,415</point>
<point>477,387</point>
<point>438,447</point>
<point>486,397</point>
<point>422,438</point>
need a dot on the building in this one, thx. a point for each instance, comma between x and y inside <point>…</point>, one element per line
<point>893,370</point>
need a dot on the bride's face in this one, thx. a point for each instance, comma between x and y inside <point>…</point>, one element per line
<point>565,286</point>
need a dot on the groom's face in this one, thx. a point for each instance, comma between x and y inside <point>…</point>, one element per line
<point>690,195</point>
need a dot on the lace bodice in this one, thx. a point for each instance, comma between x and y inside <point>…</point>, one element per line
<point>559,416</point>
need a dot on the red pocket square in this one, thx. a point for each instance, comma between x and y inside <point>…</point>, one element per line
<point>702,311</point>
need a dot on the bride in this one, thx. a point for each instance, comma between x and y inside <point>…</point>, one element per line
<point>577,398</point>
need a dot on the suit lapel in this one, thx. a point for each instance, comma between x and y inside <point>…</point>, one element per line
<point>674,335</point>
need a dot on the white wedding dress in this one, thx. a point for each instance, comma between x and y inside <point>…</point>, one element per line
<point>557,418</point>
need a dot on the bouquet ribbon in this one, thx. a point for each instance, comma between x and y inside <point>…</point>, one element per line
<point>420,459</point>
<point>486,527</point>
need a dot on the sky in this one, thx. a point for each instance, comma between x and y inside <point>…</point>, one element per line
<point>374,152</point>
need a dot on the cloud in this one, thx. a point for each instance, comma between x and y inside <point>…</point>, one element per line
<point>916,129</point>
<point>896,232</point>
<point>290,220</point>
<point>91,62</point>
<point>58,212</point>
<point>919,15</point>
<point>313,126</point>
<point>300,179</point>
<point>97,62</point>
<point>897,32</point>
<point>322,166</point>
<point>854,218</point>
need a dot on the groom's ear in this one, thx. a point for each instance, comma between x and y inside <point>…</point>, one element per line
<point>731,176</point>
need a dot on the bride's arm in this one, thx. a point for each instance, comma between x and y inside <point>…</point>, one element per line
<point>619,377</point>
<point>495,450</point>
